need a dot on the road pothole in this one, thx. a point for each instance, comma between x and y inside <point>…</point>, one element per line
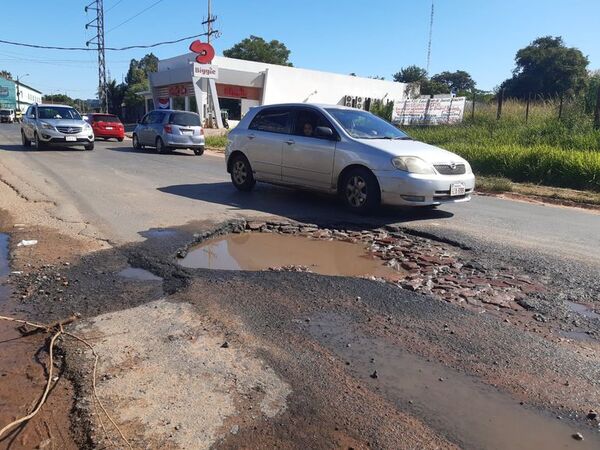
<point>385,254</point>
<point>272,251</point>
<point>137,274</point>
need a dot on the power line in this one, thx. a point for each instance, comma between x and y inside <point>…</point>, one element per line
<point>115,49</point>
<point>430,36</point>
<point>113,6</point>
<point>136,15</point>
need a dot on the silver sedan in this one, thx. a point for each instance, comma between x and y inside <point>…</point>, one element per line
<point>350,152</point>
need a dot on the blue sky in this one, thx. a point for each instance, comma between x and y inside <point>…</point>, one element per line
<point>377,37</point>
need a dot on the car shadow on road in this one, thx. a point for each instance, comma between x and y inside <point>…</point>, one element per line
<point>298,205</point>
<point>49,148</point>
<point>151,151</point>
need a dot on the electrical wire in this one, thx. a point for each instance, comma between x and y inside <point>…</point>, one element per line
<point>136,15</point>
<point>113,6</point>
<point>88,49</point>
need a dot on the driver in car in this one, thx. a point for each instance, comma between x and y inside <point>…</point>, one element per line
<point>308,129</point>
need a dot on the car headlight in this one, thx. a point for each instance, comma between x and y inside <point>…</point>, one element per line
<point>468,168</point>
<point>46,126</point>
<point>412,164</point>
<point>87,126</point>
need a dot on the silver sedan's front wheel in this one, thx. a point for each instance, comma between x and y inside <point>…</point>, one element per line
<point>360,190</point>
<point>241,173</point>
<point>356,191</point>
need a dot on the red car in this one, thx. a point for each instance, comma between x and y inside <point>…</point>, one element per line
<point>106,126</point>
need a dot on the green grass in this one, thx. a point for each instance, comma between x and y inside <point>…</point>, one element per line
<point>218,142</point>
<point>547,151</point>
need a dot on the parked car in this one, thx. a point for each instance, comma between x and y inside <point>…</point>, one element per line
<point>169,129</point>
<point>7,115</point>
<point>351,152</point>
<point>106,126</point>
<point>55,124</point>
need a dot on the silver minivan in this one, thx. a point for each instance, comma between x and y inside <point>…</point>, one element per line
<point>345,151</point>
<point>167,129</point>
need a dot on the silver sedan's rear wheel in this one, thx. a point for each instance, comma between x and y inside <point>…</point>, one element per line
<point>136,142</point>
<point>360,190</point>
<point>241,173</point>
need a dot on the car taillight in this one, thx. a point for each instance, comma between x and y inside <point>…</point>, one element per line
<point>202,131</point>
<point>168,129</point>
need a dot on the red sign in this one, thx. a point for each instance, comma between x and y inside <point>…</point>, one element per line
<point>205,51</point>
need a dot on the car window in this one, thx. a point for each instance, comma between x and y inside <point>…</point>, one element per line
<point>274,120</point>
<point>307,120</point>
<point>157,117</point>
<point>58,112</point>
<point>186,119</point>
<point>364,125</point>
<point>145,119</point>
<point>105,118</point>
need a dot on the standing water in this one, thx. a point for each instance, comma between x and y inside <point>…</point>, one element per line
<point>261,251</point>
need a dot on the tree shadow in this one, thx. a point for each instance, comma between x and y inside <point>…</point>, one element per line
<point>298,205</point>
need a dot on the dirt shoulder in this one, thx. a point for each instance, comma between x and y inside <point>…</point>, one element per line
<point>502,187</point>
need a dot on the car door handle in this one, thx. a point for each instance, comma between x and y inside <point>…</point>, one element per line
<point>290,142</point>
<point>251,136</point>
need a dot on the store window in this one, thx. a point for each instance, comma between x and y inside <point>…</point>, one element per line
<point>233,106</point>
<point>179,103</point>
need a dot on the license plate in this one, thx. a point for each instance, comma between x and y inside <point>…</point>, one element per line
<point>190,132</point>
<point>457,189</point>
<point>109,128</point>
<point>70,139</point>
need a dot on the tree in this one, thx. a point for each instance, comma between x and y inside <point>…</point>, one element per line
<point>459,81</point>
<point>61,99</point>
<point>6,74</point>
<point>410,74</point>
<point>255,48</point>
<point>547,67</point>
<point>139,70</point>
<point>116,95</point>
<point>382,110</point>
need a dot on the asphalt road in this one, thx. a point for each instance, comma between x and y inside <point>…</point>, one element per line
<point>122,192</point>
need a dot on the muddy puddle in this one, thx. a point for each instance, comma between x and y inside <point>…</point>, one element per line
<point>137,274</point>
<point>583,310</point>
<point>465,410</point>
<point>22,380</point>
<point>262,251</point>
<point>158,233</point>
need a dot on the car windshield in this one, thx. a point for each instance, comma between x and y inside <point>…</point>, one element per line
<point>4,112</point>
<point>185,119</point>
<point>58,112</point>
<point>364,125</point>
<point>106,118</point>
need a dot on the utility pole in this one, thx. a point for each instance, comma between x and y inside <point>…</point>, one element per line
<point>208,22</point>
<point>430,36</point>
<point>210,19</point>
<point>98,24</point>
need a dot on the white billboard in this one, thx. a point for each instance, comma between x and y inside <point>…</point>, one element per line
<point>205,71</point>
<point>429,111</point>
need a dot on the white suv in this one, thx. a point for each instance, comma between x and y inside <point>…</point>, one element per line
<point>7,115</point>
<point>55,124</point>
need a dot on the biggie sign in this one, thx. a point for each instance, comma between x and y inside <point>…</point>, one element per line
<point>204,50</point>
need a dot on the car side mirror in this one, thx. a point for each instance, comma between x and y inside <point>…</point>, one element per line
<point>324,132</point>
